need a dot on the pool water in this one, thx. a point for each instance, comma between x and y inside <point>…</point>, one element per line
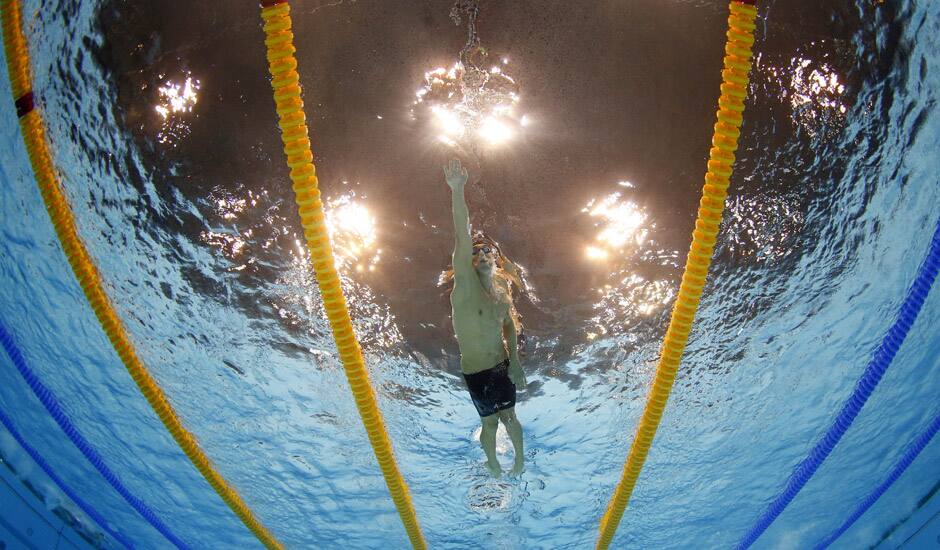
<point>163,131</point>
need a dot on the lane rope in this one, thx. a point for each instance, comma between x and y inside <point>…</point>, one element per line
<point>910,454</point>
<point>44,466</point>
<point>285,81</point>
<point>51,404</point>
<point>866,384</point>
<point>32,129</point>
<point>734,87</point>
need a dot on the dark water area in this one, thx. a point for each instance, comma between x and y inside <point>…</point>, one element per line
<point>619,92</point>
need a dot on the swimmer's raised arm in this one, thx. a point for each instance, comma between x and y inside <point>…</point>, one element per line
<point>456,176</point>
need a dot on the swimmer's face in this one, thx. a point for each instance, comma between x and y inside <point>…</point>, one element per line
<point>484,258</point>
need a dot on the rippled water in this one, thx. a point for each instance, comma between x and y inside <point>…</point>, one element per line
<point>163,129</point>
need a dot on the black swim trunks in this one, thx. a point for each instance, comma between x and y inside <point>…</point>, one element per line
<point>491,389</point>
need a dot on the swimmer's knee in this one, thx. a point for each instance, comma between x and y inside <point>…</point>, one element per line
<point>490,421</point>
<point>507,415</point>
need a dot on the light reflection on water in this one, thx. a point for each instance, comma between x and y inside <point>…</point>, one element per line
<point>623,246</point>
<point>176,100</point>
<point>816,96</point>
<point>353,233</point>
<point>621,224</point>
<point>354,237</point>
<point>818,85</point>
<point>351,226</point>
<point>298,301</point>
<point>470,106</point>
<point>294,296</point>
<point>763,227</point>
<point>813,88</point>
<point>231,241</point>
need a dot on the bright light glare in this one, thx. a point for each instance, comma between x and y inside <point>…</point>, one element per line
<point>177,98</point>
<point>449,122</point>
<point>472,104</point>
<point>494,131</point>
<point>354,220</point>
<point>595,253</point>
<point>820,85</point>
<point>623,221</point>
<point>352,229</point>
<point>622,225</point>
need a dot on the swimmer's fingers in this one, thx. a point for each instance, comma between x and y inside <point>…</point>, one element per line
<point>455,174</point>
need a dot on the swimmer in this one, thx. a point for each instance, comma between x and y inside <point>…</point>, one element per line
<point>485,323</point>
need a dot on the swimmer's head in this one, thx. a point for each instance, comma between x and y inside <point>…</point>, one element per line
<point>489,261</point>
<point>485,258</point>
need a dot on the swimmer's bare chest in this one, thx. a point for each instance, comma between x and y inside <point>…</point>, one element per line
<point>478,322</point>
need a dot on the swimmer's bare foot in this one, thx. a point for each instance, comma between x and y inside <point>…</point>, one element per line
<point>494,468</point>
<point>517,468</point>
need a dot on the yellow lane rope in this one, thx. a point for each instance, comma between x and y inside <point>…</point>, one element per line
<point>292,121</point>
<point>737,65</point>
<point>31,126</point>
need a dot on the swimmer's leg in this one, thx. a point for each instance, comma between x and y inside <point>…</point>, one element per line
<point>514,429</point>
<point>488,441</point>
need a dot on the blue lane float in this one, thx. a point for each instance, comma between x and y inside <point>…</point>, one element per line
<point>41,462</point>
<point>51,403</point>
<point>866,384</point>
<point>910,454</point>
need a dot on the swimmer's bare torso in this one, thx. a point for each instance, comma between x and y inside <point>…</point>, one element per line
<point>478,323</point>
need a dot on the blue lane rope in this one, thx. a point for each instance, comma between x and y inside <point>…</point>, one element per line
<point>51,404</point>
<point>879,363</point>
<point>910,454</point>
<point>38,459</point>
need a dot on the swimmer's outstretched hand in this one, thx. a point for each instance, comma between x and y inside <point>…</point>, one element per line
<point>456,175</point>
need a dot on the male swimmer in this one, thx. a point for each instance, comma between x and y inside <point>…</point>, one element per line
<point>485,324</point>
